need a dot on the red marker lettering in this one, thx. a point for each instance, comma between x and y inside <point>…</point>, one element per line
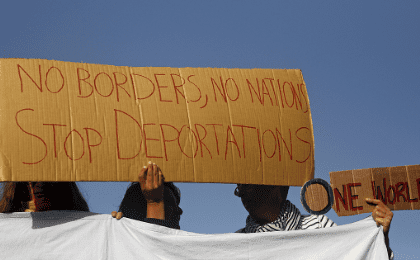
<point>229,130</point>
<point>200,140</point>
<point>46,80</point>
<point>300,89</point>
<point>280,136</point>
<point>65,145</point>
<point>119,85</point>
<point>236,86</point>
<point>388,192</point>
<point>180,146</point>
<point>221,91</point>
<point>310,146</point>
<point>96,85</point>
<point>46,150</point>
<point>199,91</point>
<point>165,139</point>
<point>281,96</point>
<point>243,135</point>
<point>377,193</point>
<point>21,82</point>
<point>339,198</point>
<point>134,90</point>
<point>265,92</point>
<point>88,141</point>
<point>117,135</point>
<point>408,194</point>
<point>400,187</point>
<point>215,135</point>
<point>293,94</point>
<point>257,93</point>
<point>272,87</point>
<point>159,87</point>
<point>55,141</point>
<point>353,197</point>
<point>150,139</point>
<point>274,142</point>
<point>79,79</point>
<point>176,87</point>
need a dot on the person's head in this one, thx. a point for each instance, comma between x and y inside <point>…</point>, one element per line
<point>134,205</point>
<point>48,196</point>
<point>262,201</point>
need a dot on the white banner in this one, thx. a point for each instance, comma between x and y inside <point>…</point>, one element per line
<point>78,235</point>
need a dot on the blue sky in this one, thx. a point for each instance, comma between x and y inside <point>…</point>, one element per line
<point>359,59</point>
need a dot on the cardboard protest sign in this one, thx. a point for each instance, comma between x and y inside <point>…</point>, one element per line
<point>64,121</point>
<point>397,187</point>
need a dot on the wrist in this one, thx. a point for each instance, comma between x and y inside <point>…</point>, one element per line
<point>154,201</point>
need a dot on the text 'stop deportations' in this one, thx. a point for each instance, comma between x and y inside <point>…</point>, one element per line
<point>64,121</point>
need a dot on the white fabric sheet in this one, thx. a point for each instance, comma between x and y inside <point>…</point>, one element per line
<point>76,235</point>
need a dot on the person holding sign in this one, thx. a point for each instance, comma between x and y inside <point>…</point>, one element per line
<point>269,210</point>
<point>41,196</point>
<point>151,199</point>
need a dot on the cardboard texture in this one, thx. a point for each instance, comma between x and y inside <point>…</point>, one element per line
<point>316,197</point>
<point>398,188</point>
<point>64,121</point>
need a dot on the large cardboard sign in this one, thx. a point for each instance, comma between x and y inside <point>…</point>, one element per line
<point>397,187</point>
<point>64,121</point>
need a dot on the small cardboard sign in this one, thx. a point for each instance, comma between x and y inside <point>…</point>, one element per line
<point>64,121</point>
<point>397,187</point>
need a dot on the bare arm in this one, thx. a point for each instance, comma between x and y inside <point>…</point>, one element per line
<point>151,182</point>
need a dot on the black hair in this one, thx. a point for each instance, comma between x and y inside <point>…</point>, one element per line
<point>134,205</point>
<point>49,196</point>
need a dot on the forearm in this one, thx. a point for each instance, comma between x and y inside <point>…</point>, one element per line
<point>156,210</point>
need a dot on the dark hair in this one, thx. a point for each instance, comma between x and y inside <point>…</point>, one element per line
<point>134,206</point>
<point>48,196</point>
<point>175,191</point>
<point>284,191</point>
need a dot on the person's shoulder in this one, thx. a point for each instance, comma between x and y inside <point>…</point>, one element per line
<point>316,221</point>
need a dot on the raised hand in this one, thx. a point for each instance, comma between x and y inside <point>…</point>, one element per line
<point>381,214</point>
<point>151,182</point>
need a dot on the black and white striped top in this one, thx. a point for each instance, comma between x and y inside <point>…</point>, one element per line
<point>315,222</point>
<point>309,222</point>
<point>288,219</point>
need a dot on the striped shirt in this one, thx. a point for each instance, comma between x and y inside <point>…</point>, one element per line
<point>315,222</point>
<point>308,222</point>
<point>288,219</point>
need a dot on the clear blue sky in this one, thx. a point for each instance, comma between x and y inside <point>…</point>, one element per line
<point>360,61</point>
